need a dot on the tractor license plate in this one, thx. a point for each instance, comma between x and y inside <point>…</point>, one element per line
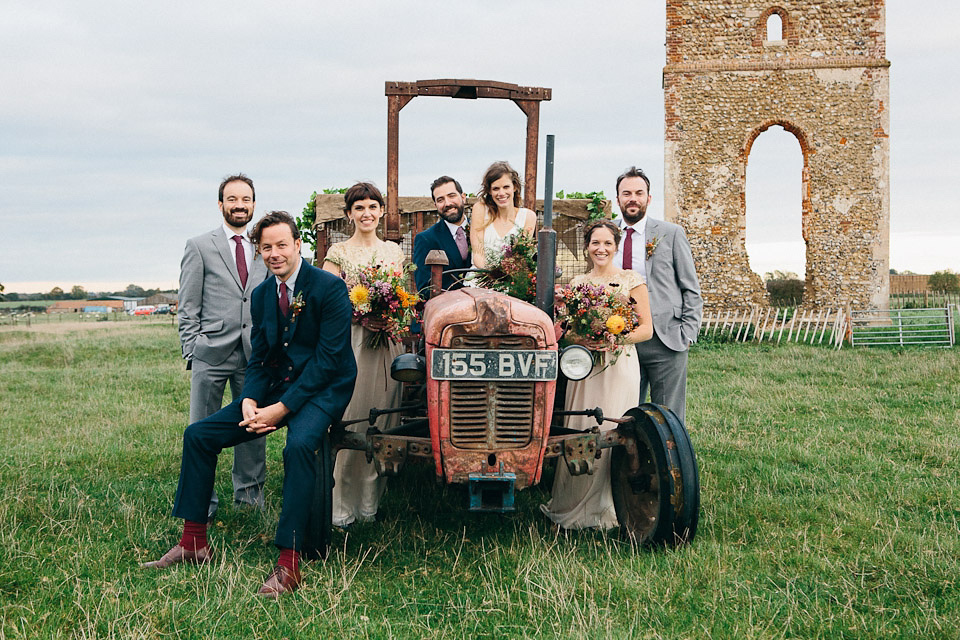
<point>483,364</point>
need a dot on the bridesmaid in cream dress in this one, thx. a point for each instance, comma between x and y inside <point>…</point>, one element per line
<point>586,501</point>
<point>498,215</point>
<point>358,488</point>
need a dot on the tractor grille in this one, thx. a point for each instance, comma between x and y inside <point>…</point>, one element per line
<point>494,414</point>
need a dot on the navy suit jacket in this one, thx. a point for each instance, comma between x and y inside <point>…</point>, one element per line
<point>438,237</point>
<point>305,357</point>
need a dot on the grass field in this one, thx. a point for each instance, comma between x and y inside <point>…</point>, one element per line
<point>830,491</point>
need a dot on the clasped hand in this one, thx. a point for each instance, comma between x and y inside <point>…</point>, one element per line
<point>257,420</point>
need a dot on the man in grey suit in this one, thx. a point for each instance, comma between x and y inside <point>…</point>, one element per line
<point>218,273</point>
<point>660,251</point>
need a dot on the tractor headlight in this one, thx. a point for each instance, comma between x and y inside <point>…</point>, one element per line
<point>576,362</point>
<point>409,367</point>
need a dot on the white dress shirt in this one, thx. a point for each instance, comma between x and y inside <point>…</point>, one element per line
<point>639,246</point>
<point>453,228</point>
<point>248,250</point>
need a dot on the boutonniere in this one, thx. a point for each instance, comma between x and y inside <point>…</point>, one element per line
<point>652,246</point>
<point>298,305</point>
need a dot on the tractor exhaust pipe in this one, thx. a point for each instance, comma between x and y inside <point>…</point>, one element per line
<point>547,241</point>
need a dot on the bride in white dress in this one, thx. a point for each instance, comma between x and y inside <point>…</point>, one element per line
<point>498,215</point>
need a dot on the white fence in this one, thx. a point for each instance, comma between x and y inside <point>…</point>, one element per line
<point>832,327</point>
<point>758,324</point>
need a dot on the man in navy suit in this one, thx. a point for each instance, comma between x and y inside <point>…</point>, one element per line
<point>300,376</point>
<point>449,234</point>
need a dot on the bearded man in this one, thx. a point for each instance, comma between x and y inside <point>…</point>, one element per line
<point>449,234</point>
<point>660,252</point>
<point>218,273</point>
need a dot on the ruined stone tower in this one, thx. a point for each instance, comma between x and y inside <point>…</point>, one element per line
<point>823,76</point>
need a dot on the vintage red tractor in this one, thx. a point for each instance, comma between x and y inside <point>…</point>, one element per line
<point>491,366</point>
<point>485,376</point>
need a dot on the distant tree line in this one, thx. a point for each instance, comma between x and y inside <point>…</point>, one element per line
<point>785,288</point>
<point>945,281</point>
<point>77,292</point>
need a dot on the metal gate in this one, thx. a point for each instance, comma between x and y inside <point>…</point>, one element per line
<point>901,327</point>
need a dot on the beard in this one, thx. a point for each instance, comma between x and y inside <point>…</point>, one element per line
<point>452,214</point>
<point>631,218</point>
<point>238,216</point>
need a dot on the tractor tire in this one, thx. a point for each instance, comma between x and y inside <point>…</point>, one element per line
<point>654,479</point>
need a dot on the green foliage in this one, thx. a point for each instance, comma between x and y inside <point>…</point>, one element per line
<point>594,207</point>
<point>306,220</point>
<point>55,294</point>
<point>776,274</point>
<point>134,291</point>
<point>78,293</point>
<point>785,292</point>
<point>944,282</point>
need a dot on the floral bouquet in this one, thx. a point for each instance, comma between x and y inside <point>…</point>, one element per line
<point>514,270</point>
<point>593,313</point>
<point>381,302</point>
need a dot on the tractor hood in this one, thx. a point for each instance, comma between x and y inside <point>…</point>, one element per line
<point>482,312</point>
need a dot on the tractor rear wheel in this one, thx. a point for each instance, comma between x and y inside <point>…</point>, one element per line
<point>654,478</point>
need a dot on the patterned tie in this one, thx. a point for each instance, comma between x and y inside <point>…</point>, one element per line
<point>241,261</point>
<point>461,239</point>
<point>284,301</point>
<point>628,249</point>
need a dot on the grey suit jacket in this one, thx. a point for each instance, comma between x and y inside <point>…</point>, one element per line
<point>672,285</point>
<point>213,309</point>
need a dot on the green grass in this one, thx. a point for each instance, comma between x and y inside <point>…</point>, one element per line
<point>830,490</point>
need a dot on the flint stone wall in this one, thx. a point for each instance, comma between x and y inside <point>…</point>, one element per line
<point>825,81</point>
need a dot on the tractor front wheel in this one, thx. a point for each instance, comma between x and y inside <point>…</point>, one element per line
<point>654,478</point>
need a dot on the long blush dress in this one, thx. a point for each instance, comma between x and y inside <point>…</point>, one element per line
<point>357,487</point>
<point>586,501</point>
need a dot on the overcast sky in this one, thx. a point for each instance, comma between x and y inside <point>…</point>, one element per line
<point>118,119</point>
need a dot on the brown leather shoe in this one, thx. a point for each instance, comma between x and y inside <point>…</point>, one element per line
<point>178,555</point>
<point>280,581</point>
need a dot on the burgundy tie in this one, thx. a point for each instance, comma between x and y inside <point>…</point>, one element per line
<point>628,249</point>
<point>284,302</point>
<point>461,238</point>
<point>241,261</point>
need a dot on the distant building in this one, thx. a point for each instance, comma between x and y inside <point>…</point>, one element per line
<point>129,304</point>
<point>908,283</point>
<point>86,306</point>
<point>162,298</point>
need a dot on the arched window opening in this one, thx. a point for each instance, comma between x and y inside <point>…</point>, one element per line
<point>774,27</point>
<point>774,196</point>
